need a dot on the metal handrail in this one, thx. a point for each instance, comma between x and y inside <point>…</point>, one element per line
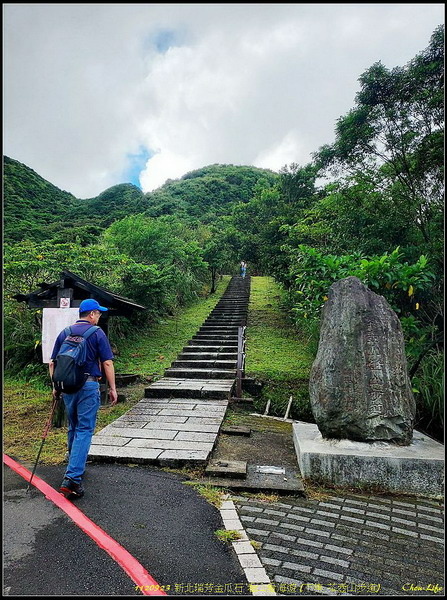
<point>240,360</point>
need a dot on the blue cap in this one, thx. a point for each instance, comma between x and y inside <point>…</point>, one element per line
<point>90,304</point>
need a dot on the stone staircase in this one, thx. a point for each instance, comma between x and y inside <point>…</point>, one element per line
<point>179,418</point>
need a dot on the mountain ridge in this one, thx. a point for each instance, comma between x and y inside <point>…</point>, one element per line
<point>36,209</point>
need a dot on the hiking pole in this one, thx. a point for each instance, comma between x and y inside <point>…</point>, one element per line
<point>56,398</point>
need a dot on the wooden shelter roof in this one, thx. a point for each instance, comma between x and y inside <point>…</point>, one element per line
<point>78,289</point>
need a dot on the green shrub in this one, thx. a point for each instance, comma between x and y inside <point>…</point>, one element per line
<point>428,385</point>
<point>312,273</point>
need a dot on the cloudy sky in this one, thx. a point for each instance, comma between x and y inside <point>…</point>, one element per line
<point>100,94</point>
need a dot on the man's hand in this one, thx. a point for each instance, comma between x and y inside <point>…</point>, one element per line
<point>113,396</point>
<point>109,371</point>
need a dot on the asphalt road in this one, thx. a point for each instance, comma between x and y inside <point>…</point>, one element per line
<point>166,525</point>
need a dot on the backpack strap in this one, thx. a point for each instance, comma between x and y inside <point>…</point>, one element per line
<point>90,331</point>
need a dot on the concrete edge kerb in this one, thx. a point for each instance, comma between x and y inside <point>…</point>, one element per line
<point>258,580</point>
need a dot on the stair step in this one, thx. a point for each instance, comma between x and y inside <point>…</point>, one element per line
<point>208,356</point>
<point>200,341</point>
<point>202,364</point>
<point>227,468</point>
<point>209,348</point>
<point>215,336</point>
<point>230,312</point>
<point>236,430</point>
<point>186,373</point>
<point>190,388</point>
<point>237,323</point>
<point>219,329</point>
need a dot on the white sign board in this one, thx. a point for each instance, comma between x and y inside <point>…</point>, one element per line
<point>54,320</point>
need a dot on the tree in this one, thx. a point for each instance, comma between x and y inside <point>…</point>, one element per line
<point>218,256</point>
<point>394,137</point>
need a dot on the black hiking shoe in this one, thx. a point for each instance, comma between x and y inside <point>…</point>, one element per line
<point>71,489</point>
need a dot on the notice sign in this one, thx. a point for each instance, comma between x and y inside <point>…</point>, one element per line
<point>64,303</point>
<point>54,320</point>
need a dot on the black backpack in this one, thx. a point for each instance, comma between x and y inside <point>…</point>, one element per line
<point>68,374</point>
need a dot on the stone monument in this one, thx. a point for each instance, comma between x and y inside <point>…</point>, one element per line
<point>359,384</point>
<point>362,403</point>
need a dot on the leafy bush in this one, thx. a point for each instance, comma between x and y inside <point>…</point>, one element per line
<point>405,286</point>
<point>164,244</point>
<point>159,287</point>
<point>428,385</point>
<point>312,273</point>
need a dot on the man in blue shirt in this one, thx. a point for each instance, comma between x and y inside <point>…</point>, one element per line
<point>82,406</point>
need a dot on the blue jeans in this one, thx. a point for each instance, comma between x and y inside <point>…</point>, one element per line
<point>82,409</point>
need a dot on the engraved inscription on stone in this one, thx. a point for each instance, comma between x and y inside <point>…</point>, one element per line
<point>359,385</point>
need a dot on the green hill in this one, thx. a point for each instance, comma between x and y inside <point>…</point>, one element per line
<point>36,209</point>
<point>30,202</point>
<point>113,204</point>
<point>207,193</point>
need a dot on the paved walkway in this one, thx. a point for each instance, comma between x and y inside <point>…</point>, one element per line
<point>178,420</point>
<point>348,544</point>
<point>339,544</point>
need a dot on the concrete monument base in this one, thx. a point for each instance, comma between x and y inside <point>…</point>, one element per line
<point>415,469</point>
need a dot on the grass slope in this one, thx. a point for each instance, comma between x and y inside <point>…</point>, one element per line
<point>275,353</point>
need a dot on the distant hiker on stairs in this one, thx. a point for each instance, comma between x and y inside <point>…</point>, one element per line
<point>243,268</point>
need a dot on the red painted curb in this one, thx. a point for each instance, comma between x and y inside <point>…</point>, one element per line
<point>145,583</point>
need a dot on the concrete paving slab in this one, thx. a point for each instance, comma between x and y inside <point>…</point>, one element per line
<point>236,430</point>
<point>144,411</point>
<point>149,418</point>
<point>111,440</point>
<point>204,420</point>
<point>227,468</point>
<point>194,436</point>
<point>140,455</point>
<point>126,423</point>
<point>186,427</point>
<point>181,456</point>
<point>289,483</point>
<point>193,410</point>
<point>169,444</point>
<point>136,416</point>
<point>197,388</point>
<point>191,413</point>
<point>125,432</point>
<point>169,402</point>
<point>143,408</point>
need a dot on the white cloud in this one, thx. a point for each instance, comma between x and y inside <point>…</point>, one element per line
<point>87,85</point>
<point>284,152</point>
<point>163,166</point>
